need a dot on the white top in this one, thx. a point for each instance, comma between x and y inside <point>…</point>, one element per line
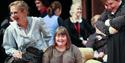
<point>15,38</point>
<point>52,24</point>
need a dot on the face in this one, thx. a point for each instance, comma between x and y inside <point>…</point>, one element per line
<point>58,12</point>
<point>61,40</point>
<point>94,20</point>
<point>110,5</point>
<point>38,4</point>
<point>16,14</point>
<point>77,11</point>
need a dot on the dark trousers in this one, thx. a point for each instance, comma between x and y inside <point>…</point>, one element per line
<point>3,55</point>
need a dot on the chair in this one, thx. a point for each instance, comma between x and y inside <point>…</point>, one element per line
<point>87,55</point>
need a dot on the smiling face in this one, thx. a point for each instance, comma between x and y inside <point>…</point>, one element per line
<point>39,5</point>
<point>76,10</point>
<point>61,40</point>
<point>15,13</point>
<point>19,11</point>
<point>111,5</point>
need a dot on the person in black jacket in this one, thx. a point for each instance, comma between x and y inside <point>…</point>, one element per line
<point>112,23</point>
<point>79,29</point>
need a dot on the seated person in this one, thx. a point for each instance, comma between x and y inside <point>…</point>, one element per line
<point>52,18</point>
<point>97,41</point>
<point>62,51</point>
<point>24,32</point>
<point>79,29</point>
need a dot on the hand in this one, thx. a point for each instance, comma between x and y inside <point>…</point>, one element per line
<point>107,22</point>
<point>17,54</point>
<point>105,58</point>
<point>96,54</point>
<point>112,30</point>
<point>105,6</point>
<point>84,42</point>
<point>99,37</point>
<point>101,54</point>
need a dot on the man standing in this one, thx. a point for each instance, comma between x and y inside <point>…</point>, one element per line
<point>112,23</point>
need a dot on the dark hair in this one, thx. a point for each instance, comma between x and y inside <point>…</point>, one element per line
<point>54,5</point>
<point>104,1</point>
<point>46,2</point>
<point>62,31</point>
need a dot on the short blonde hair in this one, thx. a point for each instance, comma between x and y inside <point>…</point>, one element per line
<point>21,5</point>
<point>74,6</point>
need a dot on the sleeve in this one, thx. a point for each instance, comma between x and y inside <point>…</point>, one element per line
<point>102,27</point>
<point>44,30</point>
<point>77,54</point>
<point>60,21</point>
<point>9,42</point>
<point>100,24</point>
<point>89,28</point>
<point>118,23</point>
<point>91,40</point>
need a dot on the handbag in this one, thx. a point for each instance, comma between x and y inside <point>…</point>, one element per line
<point>32,55</point>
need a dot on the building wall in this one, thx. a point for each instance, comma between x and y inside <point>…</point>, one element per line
<point>97,7</point>
<point>91,7</point>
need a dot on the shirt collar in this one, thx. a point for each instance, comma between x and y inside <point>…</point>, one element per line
<point>75,20</point>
